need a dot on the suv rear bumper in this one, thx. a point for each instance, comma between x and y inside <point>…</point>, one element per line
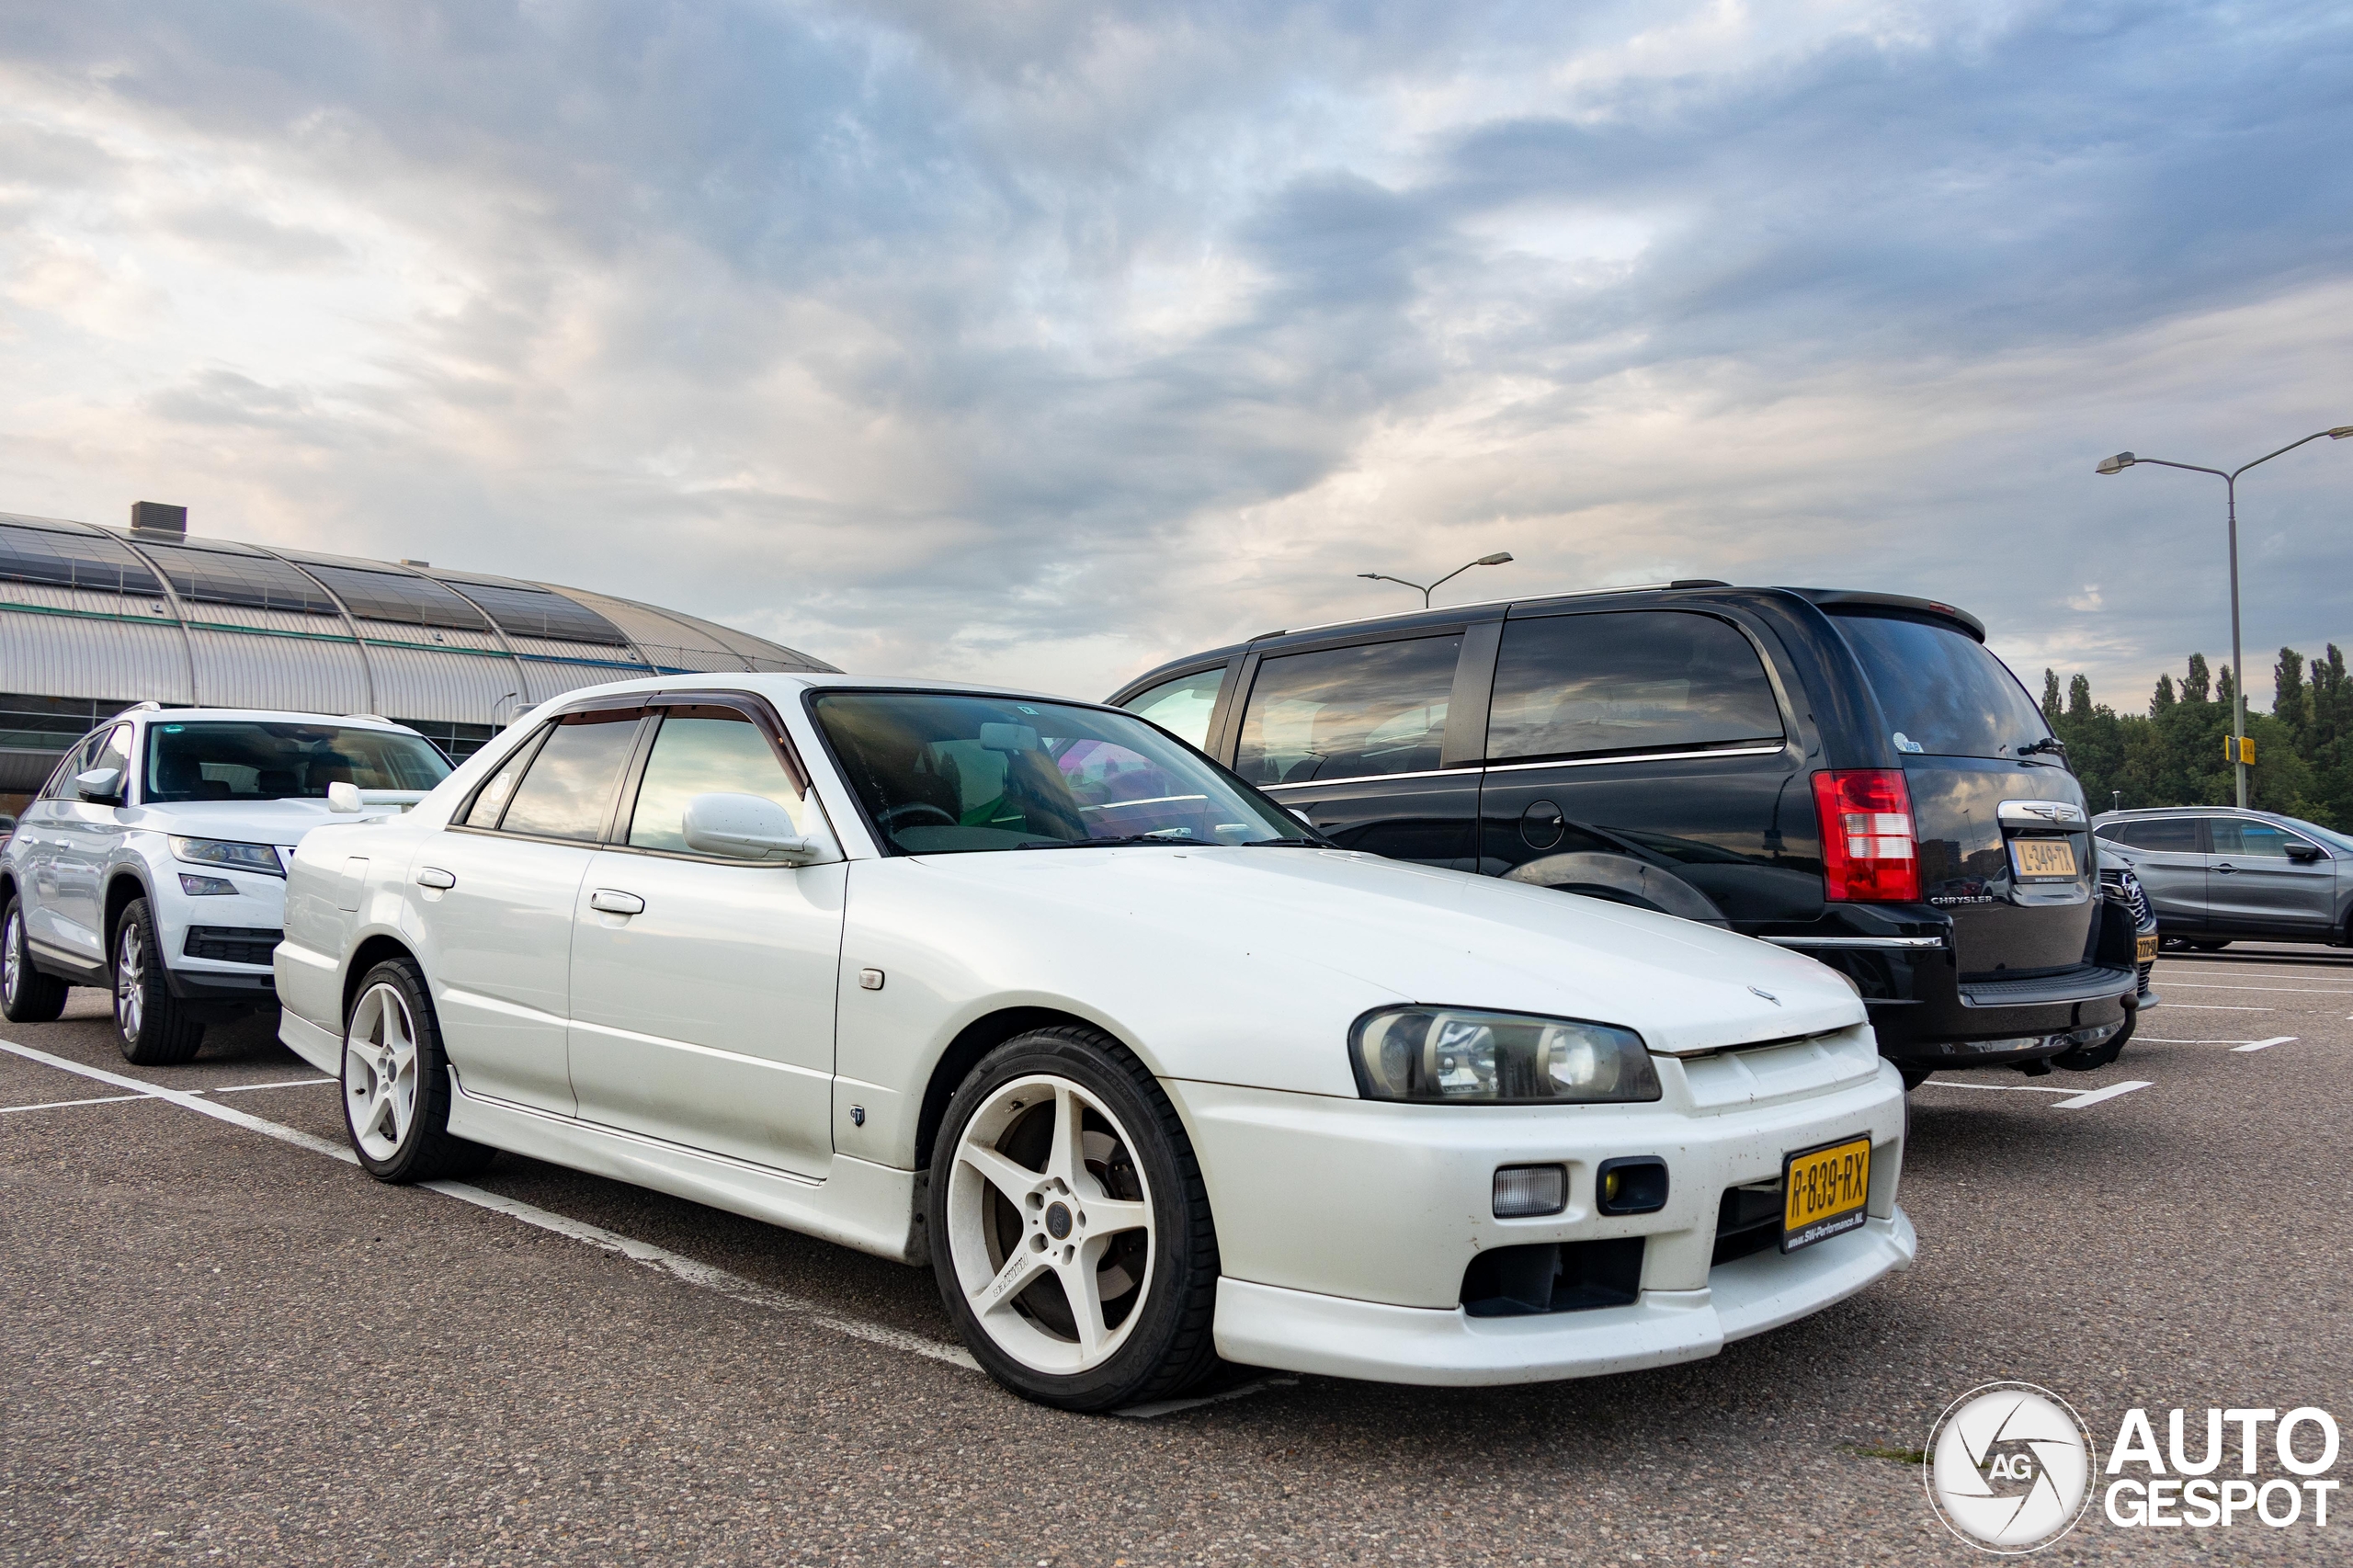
<point>1926,1013</point>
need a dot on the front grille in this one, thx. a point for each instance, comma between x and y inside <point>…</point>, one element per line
<point>232,944</point>
<point>2119,881</point>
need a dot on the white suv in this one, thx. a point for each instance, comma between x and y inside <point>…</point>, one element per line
<point>153,860</point>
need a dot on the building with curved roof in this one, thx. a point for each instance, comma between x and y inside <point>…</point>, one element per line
<point>93,620</point>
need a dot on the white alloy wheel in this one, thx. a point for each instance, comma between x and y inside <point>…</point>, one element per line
<point>1050,1224</point>
<point>11,965</point>
<point>130,980</point>
<point>379,1071</point>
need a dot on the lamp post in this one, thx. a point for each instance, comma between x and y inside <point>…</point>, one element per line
<point>2230,479</point>
<point>1497,559</point>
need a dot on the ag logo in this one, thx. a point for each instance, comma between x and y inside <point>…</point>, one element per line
<point>2009,1467</point>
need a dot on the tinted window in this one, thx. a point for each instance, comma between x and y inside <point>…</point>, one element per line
<point>493,796</point>
<point>2237,835</point>
<point>1942,690</point>
<point>258,760</point>
<point>1639,681</point>
<point>2174,836</point>
<point>702,751</point>
<point>943,773</point>
<point>1347,712</point>
<point>77,762</point>
<point>570,784</point>
<point>1183,706</point>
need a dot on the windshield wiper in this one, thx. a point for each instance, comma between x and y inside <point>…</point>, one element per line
<point>1099,843</point>
<point>1285,844</point>
<point>2048,743</point>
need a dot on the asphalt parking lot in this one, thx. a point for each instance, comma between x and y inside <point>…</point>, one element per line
<point>225,1345</point>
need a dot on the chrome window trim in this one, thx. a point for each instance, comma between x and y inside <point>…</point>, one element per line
<point>1472,772</point>
<point>1902,942</point>
<point>1773,750</point>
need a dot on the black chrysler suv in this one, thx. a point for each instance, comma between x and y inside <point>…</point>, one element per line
<point>1850,775</point>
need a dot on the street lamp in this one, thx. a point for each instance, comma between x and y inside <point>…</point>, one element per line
<point>2123,460</point>
<point>1497,559</point>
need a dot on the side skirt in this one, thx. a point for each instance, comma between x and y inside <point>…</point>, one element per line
<point>873,1209</point>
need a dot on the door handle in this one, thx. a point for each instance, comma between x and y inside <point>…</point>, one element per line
<point>612,901</point>
<point>434,876</point>
<point>2227,869</point>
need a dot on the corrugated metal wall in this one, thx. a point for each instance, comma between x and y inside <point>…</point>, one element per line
<point>130,656</point>
<point>419,680</point>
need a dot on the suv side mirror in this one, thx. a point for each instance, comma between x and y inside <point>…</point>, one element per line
<point>747,827</point>
<point>2303,854</point>
<point>344,799</point>
<point>100,786</point>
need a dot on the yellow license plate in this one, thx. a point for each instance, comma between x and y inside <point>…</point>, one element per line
<point>2145,948</point>
<point>1823,1191</point>
<point>2044,857</point>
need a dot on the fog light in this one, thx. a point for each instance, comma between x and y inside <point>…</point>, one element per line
<point>207,887</point>
<point>1635,1185</point>
<point>1525,1190</point>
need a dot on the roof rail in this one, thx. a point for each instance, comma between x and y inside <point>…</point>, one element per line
<point>1511,599</point>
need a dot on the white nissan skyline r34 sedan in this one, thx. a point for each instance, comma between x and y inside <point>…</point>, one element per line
<point>1031,991</point>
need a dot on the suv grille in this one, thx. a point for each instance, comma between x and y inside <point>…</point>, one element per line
<point>232,944</point>
<point>2120,883</point>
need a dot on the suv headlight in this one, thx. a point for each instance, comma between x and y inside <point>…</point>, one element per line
<point>261,857</point>
<point>1462,1056</point>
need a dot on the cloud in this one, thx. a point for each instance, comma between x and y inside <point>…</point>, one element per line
<point>1045,341</point>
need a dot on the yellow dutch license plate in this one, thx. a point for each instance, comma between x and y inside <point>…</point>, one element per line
<point>2144,948</point>
<point>2041,857</point>
<point>1823,1191</point>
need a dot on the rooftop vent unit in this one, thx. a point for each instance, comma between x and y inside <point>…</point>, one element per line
<point>155,517</point>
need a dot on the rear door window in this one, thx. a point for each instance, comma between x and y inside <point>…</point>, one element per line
<point>1376,708</point>
<point>2168,835</point>
<point>572,782</point>
<point>1628,682</point>
<point>1183,706</point>
<point>1943,690</point>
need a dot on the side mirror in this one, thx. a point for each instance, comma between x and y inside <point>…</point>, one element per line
<point>2302,854</point>
<point>100,786</point>
<point>747,827</point>
<point>344,799</point>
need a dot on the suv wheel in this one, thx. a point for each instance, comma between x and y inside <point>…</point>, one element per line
<point>152,1026</point>
<point>27,995</point>
<point>1070,1232</point>
<point>396,1082</point>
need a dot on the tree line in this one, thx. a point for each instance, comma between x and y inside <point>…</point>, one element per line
<point>2174,755</point>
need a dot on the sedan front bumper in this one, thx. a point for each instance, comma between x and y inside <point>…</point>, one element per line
<point>1263,1325</point>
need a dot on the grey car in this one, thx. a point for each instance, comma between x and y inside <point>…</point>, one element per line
<point>2214,874</point>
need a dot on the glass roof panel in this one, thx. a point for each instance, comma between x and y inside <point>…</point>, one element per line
<point>397,597</point>
<point>539,612</point>
<point>74,561</point>
<point>207,574</point>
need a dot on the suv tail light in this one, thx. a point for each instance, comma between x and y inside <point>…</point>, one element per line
<point>1868,846</point>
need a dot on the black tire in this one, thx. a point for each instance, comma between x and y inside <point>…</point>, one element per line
<point>2201,946</point>
<point>1914,1076</point>
<point>422,1149</point>
<point>1169,1343</point>
<point>27,995</point>
<point>154,1027</point>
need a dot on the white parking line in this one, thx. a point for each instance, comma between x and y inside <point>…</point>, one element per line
<point>62,1105</point>
<point>119,1099</point>
<point>2200,985</point>
<point>2096,1096</point>
<point>2266,1044</point>
<point>2001,1088</point>
<point>2162,1040</point>
<point>2210,1008</point>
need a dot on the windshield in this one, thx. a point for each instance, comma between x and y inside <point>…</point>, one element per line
<point>946,773</point>
<point>252,760</point>
<point>1942,689</point>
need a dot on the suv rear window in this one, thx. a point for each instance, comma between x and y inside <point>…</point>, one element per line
<point>1942,689</point>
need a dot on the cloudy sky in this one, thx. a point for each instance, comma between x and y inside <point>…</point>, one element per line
<point>1041,341</point>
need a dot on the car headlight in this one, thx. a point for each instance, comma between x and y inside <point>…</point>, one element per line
<point>261,857</point>
<point>1462,1056</point>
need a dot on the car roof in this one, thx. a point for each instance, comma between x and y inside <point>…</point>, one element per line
<point>789,685</point>
<point>2131,812</point>
<point>1680,590</point>
<point>260,715</point>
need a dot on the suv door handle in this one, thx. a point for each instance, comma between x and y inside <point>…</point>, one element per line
<point>2225,867</point>
<point>434,876</point>
<point>612,901</point>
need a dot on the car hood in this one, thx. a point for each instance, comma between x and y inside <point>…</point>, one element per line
<point>1424,935</point>
<point>251,822</point>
